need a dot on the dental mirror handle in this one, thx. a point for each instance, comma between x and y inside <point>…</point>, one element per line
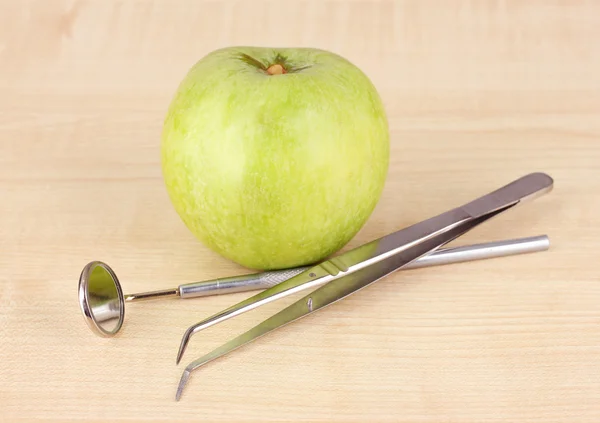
<point>264,280</point>
<point>229,285</point>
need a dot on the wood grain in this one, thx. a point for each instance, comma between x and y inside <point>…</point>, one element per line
<point>477,92</point>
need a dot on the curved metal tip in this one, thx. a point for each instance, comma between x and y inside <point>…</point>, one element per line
<point>219,317</point>
<point>184,343</point>
<point>184,378</point>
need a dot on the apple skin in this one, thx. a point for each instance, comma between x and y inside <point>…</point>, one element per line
<point>275,171</point>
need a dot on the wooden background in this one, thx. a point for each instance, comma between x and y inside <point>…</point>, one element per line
<point>478,93</point>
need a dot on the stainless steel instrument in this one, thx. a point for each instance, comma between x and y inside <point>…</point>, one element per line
<point>354,270</point>
<point>102,301</point>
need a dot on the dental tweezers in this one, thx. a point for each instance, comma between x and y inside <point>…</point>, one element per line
<point>356,269</point>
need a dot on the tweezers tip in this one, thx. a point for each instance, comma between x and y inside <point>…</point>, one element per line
<point>184,378</point>
<point>179,354</point>
<point>183,345</point>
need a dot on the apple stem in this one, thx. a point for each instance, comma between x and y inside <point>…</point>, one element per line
<point>276,69</point>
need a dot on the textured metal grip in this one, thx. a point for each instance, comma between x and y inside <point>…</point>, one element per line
<point>243,283</point>
<point>272,278</point>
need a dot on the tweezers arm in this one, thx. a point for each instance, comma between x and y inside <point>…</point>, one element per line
<point>523,189</point>
<point>332,292</point>
<point>385,247</point>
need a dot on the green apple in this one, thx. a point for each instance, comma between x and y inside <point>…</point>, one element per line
<point>275,157</point>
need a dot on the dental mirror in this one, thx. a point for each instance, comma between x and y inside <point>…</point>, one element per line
<point>102,301</point>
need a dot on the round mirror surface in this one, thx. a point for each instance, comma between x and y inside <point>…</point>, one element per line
<point>101,299</point>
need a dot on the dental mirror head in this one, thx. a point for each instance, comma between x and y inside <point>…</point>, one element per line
<point>101,299</point>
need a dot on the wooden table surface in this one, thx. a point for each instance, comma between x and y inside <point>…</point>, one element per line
<point>478,93</point>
